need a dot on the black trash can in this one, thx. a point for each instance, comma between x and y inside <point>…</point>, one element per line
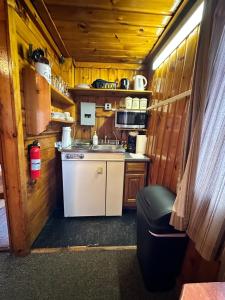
<point>160,248</point>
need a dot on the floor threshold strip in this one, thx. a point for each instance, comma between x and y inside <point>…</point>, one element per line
<point>82,248</point>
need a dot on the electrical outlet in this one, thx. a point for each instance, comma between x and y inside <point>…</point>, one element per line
<point>108,106</point>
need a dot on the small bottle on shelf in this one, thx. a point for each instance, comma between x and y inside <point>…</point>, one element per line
<point>95,139</point>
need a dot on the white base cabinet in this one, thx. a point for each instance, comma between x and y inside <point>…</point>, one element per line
<point>92,187</point>
<point>114,188</point>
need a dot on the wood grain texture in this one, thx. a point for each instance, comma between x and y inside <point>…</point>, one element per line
<point>4,236</point>
<point>165,130</point>
<point>11,135</point>
<point>110,31</point>
<point>134,180</point>
<point>86,72</point>
<point>42,197</point>
<point>197,269</point>
<point>203,291</point>
<point>37,101</point>
<point>138,167</point>
<point>133,183</point>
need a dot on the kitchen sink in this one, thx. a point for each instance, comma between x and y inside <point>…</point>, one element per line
<point>108,148</point>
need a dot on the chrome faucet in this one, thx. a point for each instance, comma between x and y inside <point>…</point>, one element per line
<point>117,141</point>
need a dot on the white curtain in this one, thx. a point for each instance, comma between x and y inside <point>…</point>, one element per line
<point>200,204</point>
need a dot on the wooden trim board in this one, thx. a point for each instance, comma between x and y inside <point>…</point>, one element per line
<point>11,135</point>
<point>82,248</point>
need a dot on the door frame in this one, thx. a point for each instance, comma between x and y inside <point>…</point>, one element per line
<point>11,137</point>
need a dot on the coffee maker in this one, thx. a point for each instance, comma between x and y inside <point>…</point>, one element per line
<point>131,145</point>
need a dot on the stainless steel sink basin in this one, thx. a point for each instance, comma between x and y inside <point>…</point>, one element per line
<point>108,148</point>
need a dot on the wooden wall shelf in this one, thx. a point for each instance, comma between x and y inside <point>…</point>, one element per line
<point>108,92</point>
<point>59,97</point>
<point>39,98</point>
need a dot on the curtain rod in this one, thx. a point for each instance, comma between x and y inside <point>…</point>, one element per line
<point>170,100</point>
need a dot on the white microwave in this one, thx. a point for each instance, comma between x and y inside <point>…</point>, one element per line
<point>130,118</point>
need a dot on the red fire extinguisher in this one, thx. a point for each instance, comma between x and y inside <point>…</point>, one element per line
<point>35,160</point>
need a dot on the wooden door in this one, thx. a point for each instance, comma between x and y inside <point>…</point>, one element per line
<point>84,188</point>
<point>114,189</point>
<point>133,183</point>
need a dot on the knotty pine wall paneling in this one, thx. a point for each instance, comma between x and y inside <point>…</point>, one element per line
<point>165,134</point>
<point>46,193</point>
<point>87,72</point>
<point>165,130</point>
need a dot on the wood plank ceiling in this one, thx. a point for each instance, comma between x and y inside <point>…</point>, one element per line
<point>111,30</point>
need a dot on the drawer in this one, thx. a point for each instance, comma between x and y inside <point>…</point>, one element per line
<point>135,167</point>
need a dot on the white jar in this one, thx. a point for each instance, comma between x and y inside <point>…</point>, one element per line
<point>66,137</point>
<point>44,70</point>
<point>128,103</point>
<point>143,103</point>
<point>136,103</point>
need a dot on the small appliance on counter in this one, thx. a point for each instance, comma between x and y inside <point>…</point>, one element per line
<point>66,137</point>
<point>124,84</point>
<point>140,82</point>
<point>131,145</point>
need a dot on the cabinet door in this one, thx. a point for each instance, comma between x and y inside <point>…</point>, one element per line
<point>84,188</point>
<point>37,101</point>
<point>133,183</point>
<point>114,188</point>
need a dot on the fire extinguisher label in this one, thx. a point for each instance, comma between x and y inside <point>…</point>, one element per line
<point>35,164</point>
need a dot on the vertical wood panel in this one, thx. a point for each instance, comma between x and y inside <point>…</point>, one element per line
<point>166,125</point>
<point>11,135</point>
<point>41,197</point>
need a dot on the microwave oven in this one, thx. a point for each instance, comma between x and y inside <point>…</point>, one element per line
<point>130,118</point>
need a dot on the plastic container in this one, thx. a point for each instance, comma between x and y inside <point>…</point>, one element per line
<point>141,143</point>
<point>160,248</point>
<point>66,137</point>
<point>95,139</point>
<point>143,103</point>
<point>136,103</point>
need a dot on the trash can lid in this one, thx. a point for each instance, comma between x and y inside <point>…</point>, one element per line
<point>156,203</point>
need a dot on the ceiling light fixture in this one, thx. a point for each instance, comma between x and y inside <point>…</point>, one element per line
<point>185,30</point>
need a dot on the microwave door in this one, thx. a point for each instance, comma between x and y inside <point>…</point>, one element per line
<point>141,120</point>
<point>126,119</point>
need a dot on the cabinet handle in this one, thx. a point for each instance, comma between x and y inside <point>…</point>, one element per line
<point>100,170</point>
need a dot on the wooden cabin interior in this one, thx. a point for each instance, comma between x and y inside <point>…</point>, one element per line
<point>83,41</point>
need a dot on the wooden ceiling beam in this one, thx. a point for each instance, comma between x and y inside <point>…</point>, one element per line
<point>125,7</point>
<point>99,65</point>
<point>95,15</point>
<point>111,59</point>
<point>50,25</point>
